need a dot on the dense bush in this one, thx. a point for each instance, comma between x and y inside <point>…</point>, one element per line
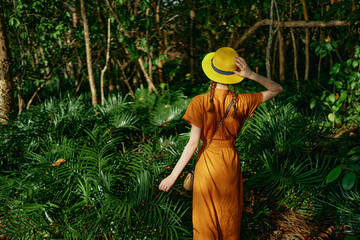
<point>75,173</point>
<point>341,97</point>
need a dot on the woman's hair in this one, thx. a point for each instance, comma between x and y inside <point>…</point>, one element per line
<point>234,99</point>
<point>212,105</point>
<point>211,92</point>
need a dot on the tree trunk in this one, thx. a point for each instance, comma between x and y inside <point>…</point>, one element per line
<point>269,43</point>
<point>88,54</point>
<point>149,54</point>
<point>273,72</point>
<point>295,49</point>
<point>161,41</point>
<point>208,31</point>
<point>106,63</point>
<point>21,101</point>
<point>192,49</point>
<point>74,20</point>
<point>281,57</point>
<point>295,57</point>
<point>270,39</point>
<point>307,41</point>
<point>6,77</point>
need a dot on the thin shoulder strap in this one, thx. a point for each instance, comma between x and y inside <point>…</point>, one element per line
<point>222,120</point>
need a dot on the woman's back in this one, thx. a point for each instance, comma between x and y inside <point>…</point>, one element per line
<point>197,114</point>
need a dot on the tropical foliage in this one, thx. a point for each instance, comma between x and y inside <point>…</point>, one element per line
<point>84,174</point>
<point>76,173</point>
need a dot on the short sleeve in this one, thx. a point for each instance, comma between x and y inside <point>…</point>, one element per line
<point>193,114</point>
<point>253,100</point>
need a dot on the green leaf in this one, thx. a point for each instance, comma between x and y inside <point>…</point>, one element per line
<point>354,150</point>
<point>350,238</point>
<point>162,85</point>
<point>52,205</point>
<point>355,64</point>
<point>337,120</point>
<point>335,109</point>
<point>343,96</point>
<point>14,22</point>
<point>313,44</point>
<point>29,207</point>
<point>331,117</point>
<point>312,103</point>
<point>333,175</point>
<point>121,38</point>
<point>357,52</point>
<point>331,98</point>
<point>134,54</point>
<point>323,95</point>
<point>357,75</point>
<point>338,84</point>
<point>143,5</point>
<point>349,62</point>
<point>323,53</point>
<point>354,167</point>
<point>335,68</point>
<point>353,85</point>
<point>328,46</point>
<point>348,180</point>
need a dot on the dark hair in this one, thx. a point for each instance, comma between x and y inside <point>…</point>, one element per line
<point>234,99</point>
<point>212,105</point>
<point>211,91</point>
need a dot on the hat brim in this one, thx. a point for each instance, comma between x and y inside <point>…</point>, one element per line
<point>217,77</point>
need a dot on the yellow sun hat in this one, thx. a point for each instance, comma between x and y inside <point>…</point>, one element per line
<point>219,66</point>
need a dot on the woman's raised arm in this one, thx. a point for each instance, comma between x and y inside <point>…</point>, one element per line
<point>273,88</point>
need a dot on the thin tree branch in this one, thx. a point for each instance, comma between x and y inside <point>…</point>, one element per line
<point>122,29</point>
<point>148,80</point>
<point>46,78</point>
<point>301,24</point>
<point>122,67</point>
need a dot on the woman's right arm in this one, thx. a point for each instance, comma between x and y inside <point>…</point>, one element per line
<point>273,88</point>
<point>188,151</point>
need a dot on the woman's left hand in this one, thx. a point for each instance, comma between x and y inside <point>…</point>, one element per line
<point>245,70</point>
<point>167,183</point>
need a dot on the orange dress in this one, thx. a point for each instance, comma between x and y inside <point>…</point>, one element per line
<point>217,190</point>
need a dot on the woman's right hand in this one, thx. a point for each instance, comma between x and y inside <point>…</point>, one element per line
<point>245,70</point>
<point>167,183</point>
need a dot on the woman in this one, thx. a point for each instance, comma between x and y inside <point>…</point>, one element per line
<point>217,190</point>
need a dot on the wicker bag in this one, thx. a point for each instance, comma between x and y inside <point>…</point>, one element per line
<point>189,181</point>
